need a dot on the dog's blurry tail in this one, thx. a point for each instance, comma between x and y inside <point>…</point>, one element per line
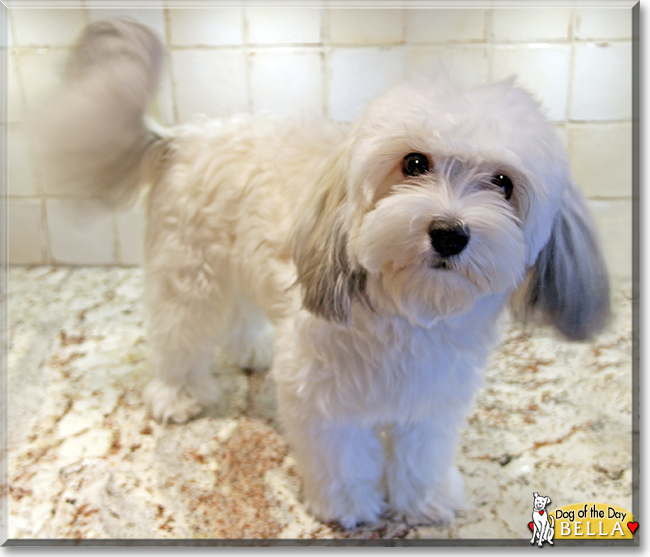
<point>91,132</point>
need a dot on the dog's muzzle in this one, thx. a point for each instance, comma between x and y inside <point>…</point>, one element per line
<point>449,238</point>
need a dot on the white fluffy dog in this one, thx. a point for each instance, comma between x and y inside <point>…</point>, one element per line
<point>367,267</point>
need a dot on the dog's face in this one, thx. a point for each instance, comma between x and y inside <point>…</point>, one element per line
<point>450,194</point>
<point>438,199</point>
<point>540,503</point>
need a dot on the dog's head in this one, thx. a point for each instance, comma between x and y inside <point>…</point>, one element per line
<point>540,502</point>
<point>441,197</point>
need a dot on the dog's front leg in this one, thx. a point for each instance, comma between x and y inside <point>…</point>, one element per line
<point>341,467</point>
<point>424,484</point>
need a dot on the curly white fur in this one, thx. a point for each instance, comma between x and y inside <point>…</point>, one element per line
<point>315,244</point>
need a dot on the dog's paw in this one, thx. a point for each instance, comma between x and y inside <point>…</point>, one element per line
<point>436,504</point>
<point>428,512</point>
<point>350,507</point>
<point>170,404</point>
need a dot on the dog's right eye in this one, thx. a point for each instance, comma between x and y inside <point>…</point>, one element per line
<point>505,183</point>
<point>415,164</point>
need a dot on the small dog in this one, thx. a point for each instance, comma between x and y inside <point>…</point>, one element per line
<point>365,266</point>
<point>543,530</point>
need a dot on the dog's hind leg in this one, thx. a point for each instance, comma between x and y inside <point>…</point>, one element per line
<point>175,394</point>
<point>550,532</point>
<point>247,341</point>
<point>187,310</point>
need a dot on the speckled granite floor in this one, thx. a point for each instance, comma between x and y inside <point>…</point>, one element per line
<point>85,460</point>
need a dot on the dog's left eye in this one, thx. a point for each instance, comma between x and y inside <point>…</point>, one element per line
<point>415,164</point>
<point>503,182</point>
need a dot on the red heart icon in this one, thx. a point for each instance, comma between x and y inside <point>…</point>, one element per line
<point>530,525</point>
<point>541,512</point>
<point>633,526</point>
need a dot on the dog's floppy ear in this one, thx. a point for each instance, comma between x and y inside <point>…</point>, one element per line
<point>548,501</point>
<point>319,242</point>
<point>568,285</point>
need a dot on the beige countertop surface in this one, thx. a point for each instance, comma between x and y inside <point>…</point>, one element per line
<point>86,461</point>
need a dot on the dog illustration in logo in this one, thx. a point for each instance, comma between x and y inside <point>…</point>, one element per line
<point>542,528</point>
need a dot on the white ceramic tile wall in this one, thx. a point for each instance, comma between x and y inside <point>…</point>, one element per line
<point>9,36</point>
<point>214,27</point>
<point>280,26</point>
<point>469,64</point>
<point>15,107</point>
<point>287,82</point>
<point>524,25</point>
<point>363,27</point>
<point>329,62</point>
<point>591,24</point>
<point>544,69</point>
<point>26,237</point>
<point>354,82</point>
<point>38,70</point>
<point>602,82</point>
<point>22,173</point>
<point>153,16</point>
<point>601,158</point>
<point>47,27</point>
<point>130,235</point>
<point>80,230</point>
<point>445,26</point>
<point>211,82</point>
<point>613,218</point>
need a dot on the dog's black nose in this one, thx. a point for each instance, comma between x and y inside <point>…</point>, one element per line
<point>448,238</point>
